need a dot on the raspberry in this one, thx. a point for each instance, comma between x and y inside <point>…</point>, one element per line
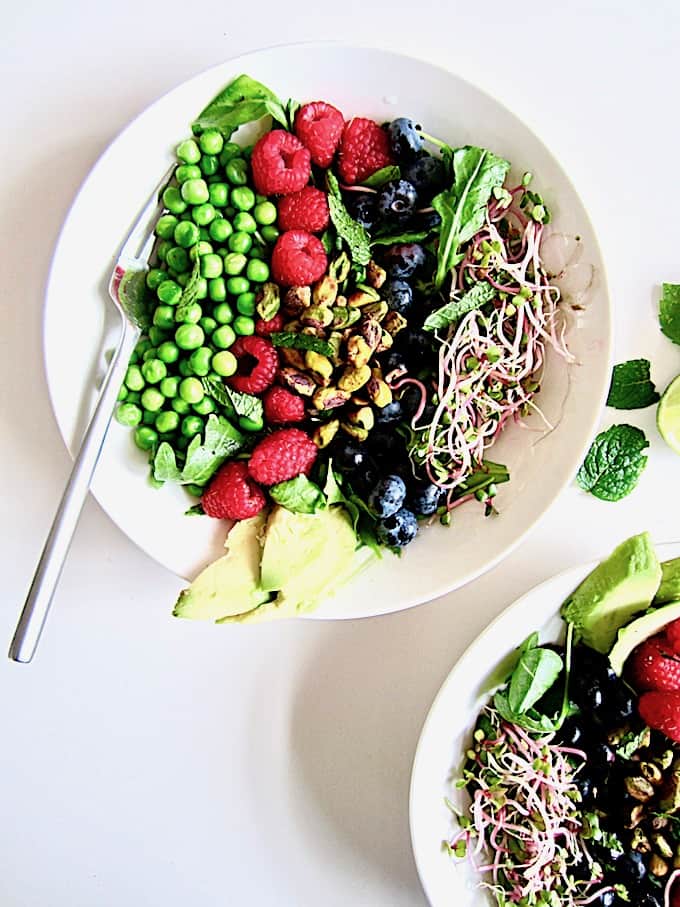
<point>672,634</point>
<point>265,328</point>
<point>281,405</point>
<point>304,210</point>
<point>364,148</point>
<point>319,126</point>
<point>654,666</point>
<point>280,163</point>
<point>254,378</point>
<point>232,494</point>
<point>298,259</point>
<point>661,711</point>
<point>283,455</point>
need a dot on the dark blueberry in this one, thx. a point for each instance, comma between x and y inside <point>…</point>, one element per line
<point>588,664</point>
<point>591,699</point>
<point>601,757</point>
<point>398,295</point>
<point>427,220</point>
<point>387,496</point>
<point>606,899</point>
<point>364,480</point>
<point>399,529</point>
<point>426,173</point>
<point>631,868</point>
<point>620,704</point>
<point>393,362</point>
<point>397,201</point>
<point>387,446</point>
<point>410,401</point>
<point>403,259</point>
<point>572,732</point>
<point>585,786</point>
<point>405,139</point>
<point>349,457</point>
<point>418,349</point>
<point>424,498</point>
<point>393,412</point>
<point>362,206</point>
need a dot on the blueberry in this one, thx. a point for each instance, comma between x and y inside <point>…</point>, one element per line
<point>387,496</point>
<point>387,446</point>
<point>585,786</point>
<point>631,868</point>
<point>426,173</point>
<point>393,362</point>
<point>572,732</point>
<point>403,259</point>
<point>418,348</point>
<point>601,757</point>
<point>362,207</point>
<point>424,498</point>
<point>427,220</point>
<point>398,295</point>
<point>399,529</point>
<point>364,480</point>
<point>410,401</point>
<point>620,704</point>
<point>393,412</point>
<point>405,139</point>
<point>589,664</point>
<point>350,457</point>
<point>397,201</point>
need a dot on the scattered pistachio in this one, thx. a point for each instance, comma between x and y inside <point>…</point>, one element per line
<point>268,300</point>
<point>353,378</point>
<point>341,300</point>
<point>344,317</point>
<point>665,760</point>
<point>355,431</point>
<point>379,392</point>
<point>375,275</point>
<point>335,341</point>
<point>358,351</point>
<point>362,297</point>
<point>394,322</point>
<point>640,842</point>
<point>339,267</point>
<point>297,381</point>
<point>324,434</point>
<point>325,291</point>
<point>386,342</point>
<point>297,299</point>
<point>636,816</point>
<point>639,788</point>
<point>662,846</point>
<point>318,316</point>
<point>329,398</point>
<point>651,772</point>
<point>659,822</point>
<point>377,310</point>
<point>363,417</point>
<point>320,366</point>
<point>658,866</point>
<point>616,736</point>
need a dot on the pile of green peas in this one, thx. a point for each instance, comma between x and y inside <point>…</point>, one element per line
<point>213,215</point>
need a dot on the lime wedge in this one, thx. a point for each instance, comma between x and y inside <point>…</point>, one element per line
<point>668,415</point>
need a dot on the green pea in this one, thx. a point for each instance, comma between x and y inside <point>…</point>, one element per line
<point>169,386</point>
<point>164,317</point>
<point>200,249</point>
<point>229,211</point>
<point>191,425</point>
<point>269,233</point>
<point>260,198</point>
<point>178,259</point>
<point>236,171</point>
<point>245,222</point>
<point>220,230</point>
<point>213,178</point>
<point>157,336</point>
<point>244,325</point>
<point>162,249</point>
<point>166,226</point>
<point>257,271</point>
<point>169,292</point>
<point>189,336</point>
<point>191,390</point>
<point>204,233</point>
<point>224,363</point>
<point>167,421</point>
<point>230,151</point>
<point>187,172</point>
<point>238,285</point>
<point>257,252</point>
<point>191,314</point>
<point>134,380</point>
<point>211,265</point>
<point>188,152</point>
<point>179,406</point>
<point>265,213</point>
<point>242,198</point>
<point>133,397</point>
<point>152,400</point>
<point>186,234</point>
<point>211,141</point>
<point>154,371</point>
<point>167,352</point>
<point>128,414</point>
<point>209,165</point>
<point>148,417</point>
<point>234,263</point>
<point>200,361</point>
<point>204,214</point>
<point>155,278</point>
<point>143,345</point>
<point>184,368</point>
<point>240,242</point>
<point>245,303</point>
<point>122,393</point>
<point>217,289</point>
<point>173,200</point>
<point>149,354</point>
<point>204,406</point>
<point>145,438</point>
<point>223,313</point>
<point>181,443</point>
<point>223,337</point>
<point>248,424</point>
<point>183,279</point>
<point>219,194</point>
<point>207,323</point>
<point>195,192</point>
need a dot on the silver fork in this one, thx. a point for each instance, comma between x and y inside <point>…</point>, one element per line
<point>126,288</point>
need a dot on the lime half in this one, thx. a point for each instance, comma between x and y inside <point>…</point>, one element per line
<point>668,415</point>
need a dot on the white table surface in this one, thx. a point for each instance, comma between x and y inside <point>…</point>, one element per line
<point>272,767</point>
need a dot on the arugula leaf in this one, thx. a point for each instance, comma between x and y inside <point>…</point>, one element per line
<point>669,311</point>
<point>190,292</point>
<point>302,342</point>
<point>631,387</point>
<point>462,208</point>
<point>531,642</point>
<point>165,465</point>
<point>348,229</point>
<point>614,463</point>
<point>408,236</point>
<point>242,101</point>
<point>299,495</point>
<point>477,296</point>
<point>382,176</point>
<point>536,671</point>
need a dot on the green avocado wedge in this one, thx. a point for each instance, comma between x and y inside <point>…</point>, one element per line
<point>638,631</point>
<point>669,590</point>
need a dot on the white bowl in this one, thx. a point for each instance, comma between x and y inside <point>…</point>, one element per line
<point>360,81</point>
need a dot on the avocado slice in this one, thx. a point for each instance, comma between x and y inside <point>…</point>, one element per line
<point>231,584</point>
<point>669,589</point>
<point>639,630</point>
<point>619,587</point>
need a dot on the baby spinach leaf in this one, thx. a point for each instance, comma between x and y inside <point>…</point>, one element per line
<point>348,229</point>
<point>382,176</point>
<point>614,463</point>
<point>242,101</point>
<point>669,311</point>
<point>302,342</point>
<point>477,296</point>
<point>536,671</point>
<point>299,495</point>
<point>631,387</point>
<point>531,721</point>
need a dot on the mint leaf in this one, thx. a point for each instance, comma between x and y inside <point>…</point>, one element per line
<point>134,297</point>
<point>614,463</point>
<point>408,236</point>
<point>221,440</point>
<point>669,311</point>
<point>242,101</point>
<point>477,172</point>
<point>348,229</point>
<point>164,464</point>
<point>299,495</point>
<point>631,387</point>
<point>247,405</point>
<point>477,296</point>
<point>632,742</point>
<point>217,390</point>
<point>302,342</point>
<point>190,292</point>
<point>196,510</point>
<point>382,176</point>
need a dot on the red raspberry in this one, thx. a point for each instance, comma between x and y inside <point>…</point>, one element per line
<point>672,634</point>
<point>232,494</point>
<point>661,711</point>
<point>364,148</point>
<point>283,455</point>
<point>281,405</point>
<point>304,210</point>
<point>258,361</point>
<point>319,126</point>
<point>655,666</point>
<point>298,259</point>
<point>265,328</point>
<point>280,163</point>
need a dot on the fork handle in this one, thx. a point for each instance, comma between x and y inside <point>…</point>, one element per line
<point>48,571</point>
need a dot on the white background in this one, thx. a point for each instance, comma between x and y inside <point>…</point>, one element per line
<point>271,767</point>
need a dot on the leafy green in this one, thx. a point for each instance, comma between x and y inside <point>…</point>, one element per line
<point>190,292</point>
<point>134,297</point>
<point>462,208</point>
<point>614,463</point>
<point>669,311</point>
<point>632,742</point>
<point>593,831</point>
<point>363,521</point>
<point>302,342</point>
<point>203,458</point>
<point>299,495</point>
<point>478,295</point>
<point>164,464</point>
<point>348,229</point>
<point>382,176</point>
<point>242,101</point>
<point>217,390</point>
<point>631,387</point>
<point>409,236</point>
<point>246,405</point>
<point>536,671</point>
<point>196,510</point>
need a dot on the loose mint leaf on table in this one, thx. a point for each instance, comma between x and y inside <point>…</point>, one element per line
<point>477,296</point>
<point>348,229</point>
<point>242,101</point>
<point>631,387</point>
<point>382,176</point>
<point>614,463</point>
<point>669,311</point>
<point>221,440</point>
<point>302,342</point>
<point>299,495</point>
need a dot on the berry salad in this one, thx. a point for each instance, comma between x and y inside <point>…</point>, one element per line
<point>343,317</point>
<point>571,782</point>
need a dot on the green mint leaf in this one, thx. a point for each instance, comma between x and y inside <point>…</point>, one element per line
<point>221,440</point>
<point>382,176</point>
<point>332,491</point>
<point>462,208</point>
<point>190,292</point>
<point>196,510</point>
<point>134,297</point>
<point>292,108</point>
<point>348,229</point>
<point>247,405</point>
<point>164,464</point>
<point>392,238</point>
<point>631,387</point>
<point>632,742</point>
<point>614,463</point>
<point>241,101</point>
<point>327,241</point>
<point>299,495</point>
<point>477,296</point>
<point>536,672</point>
<point>217,390</point>
<point>669,311</point>
<point>302,342</point>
